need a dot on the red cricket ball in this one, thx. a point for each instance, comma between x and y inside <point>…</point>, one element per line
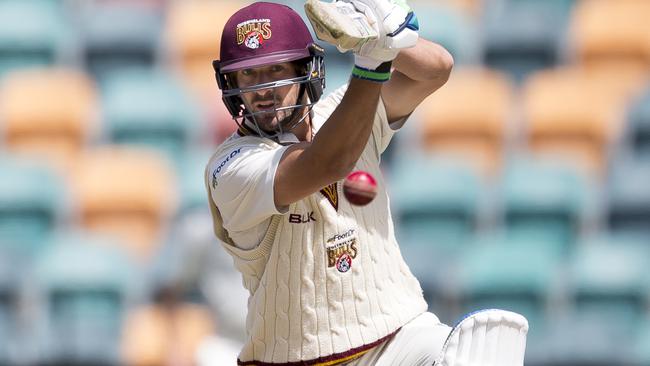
<point>360,188</point>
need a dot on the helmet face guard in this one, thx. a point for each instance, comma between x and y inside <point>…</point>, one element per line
<point>311,82</point>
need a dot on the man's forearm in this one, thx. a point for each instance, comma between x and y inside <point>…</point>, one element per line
<point>424,62</point>
<point>342,139</point>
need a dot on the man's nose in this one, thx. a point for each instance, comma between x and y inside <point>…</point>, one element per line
<point>264,93</point>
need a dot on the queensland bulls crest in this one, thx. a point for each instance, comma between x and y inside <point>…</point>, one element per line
<point>341,250</point>
<point>254,32</point>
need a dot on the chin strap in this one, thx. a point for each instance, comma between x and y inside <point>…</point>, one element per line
<point>282,137</point>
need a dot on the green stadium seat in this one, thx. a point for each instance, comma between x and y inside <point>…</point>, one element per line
<point>193,191</point>
<point>523,36</point>
<point>517,275</point>
<point>435,201</point>
<point>435,204</point>
<point>638,123</point>
<point>451,28</point>
<point>607,292</point>
<point>543,199</point>
<point>9,299</point>
<point>579,342</point>
<point>641,349</point>
<point>563,6</point>
<point>32,34</point>
<point>629,198</point>
<point>513,274</point>
<point>120,35</point>
<point>32,200</point>
<point>610,274</point>
<point>608,283</point>
<point>86,284</point>
<point>150,109</point>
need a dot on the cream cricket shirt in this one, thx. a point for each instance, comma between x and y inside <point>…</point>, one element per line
<point>326,279</point>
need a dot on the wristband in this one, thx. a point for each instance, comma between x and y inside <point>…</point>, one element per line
<point>380,75</point>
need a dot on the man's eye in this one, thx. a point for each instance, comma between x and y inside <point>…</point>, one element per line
<point>277,68</point>
<point>247,72</point>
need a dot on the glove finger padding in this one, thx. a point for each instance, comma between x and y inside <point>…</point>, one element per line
<point>397,28</point>
<point>340,24</point>
<point>375,30</point>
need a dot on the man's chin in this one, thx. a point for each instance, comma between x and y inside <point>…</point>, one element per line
<point>272,125</point>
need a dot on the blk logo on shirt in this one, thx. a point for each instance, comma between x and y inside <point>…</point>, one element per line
<point>301,218</point>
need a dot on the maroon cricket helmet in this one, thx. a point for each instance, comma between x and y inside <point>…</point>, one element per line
<point>263,34</point>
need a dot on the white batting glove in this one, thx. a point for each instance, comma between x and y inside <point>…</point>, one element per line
<point>375,30</point>
<point>396,25</point>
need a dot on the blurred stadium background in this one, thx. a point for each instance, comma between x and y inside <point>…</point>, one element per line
<point>523,184</point>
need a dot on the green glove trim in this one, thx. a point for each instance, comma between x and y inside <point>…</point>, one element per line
<point>381,74</point>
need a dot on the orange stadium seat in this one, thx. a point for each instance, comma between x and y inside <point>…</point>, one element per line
<point>157,335</point>
<point>468,117</point>
<point>193,34</point>
<point>576,113</point>
<point>612,31</point>
<point>129,193</point>
<point>49,113</point>
<point>469,7</point>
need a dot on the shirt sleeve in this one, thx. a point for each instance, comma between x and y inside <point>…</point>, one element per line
<point>382,130</point>
<point>242,186</point>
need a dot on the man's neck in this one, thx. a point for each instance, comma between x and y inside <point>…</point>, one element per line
<point>303,130</point>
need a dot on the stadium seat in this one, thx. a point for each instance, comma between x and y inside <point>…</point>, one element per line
<point>48,113</point>
<point>628,194</point>
<point>39,42</point>
<point>610,274</point>
<point>638,124</point>
<point>159,335</point>
<point>574,114</point>
<point>518,274</point>
<point>150,109</point>
<point>32,201</point>
<point>469,8</point>
<point>523,36</point>
<point>9,300</point>
<point>192,185</point>
<point>86,283</point>
<point>193,34</point>
<point>129,193</point>
<point>578,342</point>
<point>435,201</point>
<point>641,349</point>
<point>614,32</point>
<point>608,285</point>
<point>543,199</point>
<point>119,35</point>
<point>476,134</point>
<point>450,27</point>
<point>511,274</point>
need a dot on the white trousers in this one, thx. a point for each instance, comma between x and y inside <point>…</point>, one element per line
<point>418,343</point>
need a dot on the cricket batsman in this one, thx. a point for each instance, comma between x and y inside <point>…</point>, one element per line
<point>327,282</point>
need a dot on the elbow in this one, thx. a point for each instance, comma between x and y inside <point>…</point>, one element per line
<point>443,71</point>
